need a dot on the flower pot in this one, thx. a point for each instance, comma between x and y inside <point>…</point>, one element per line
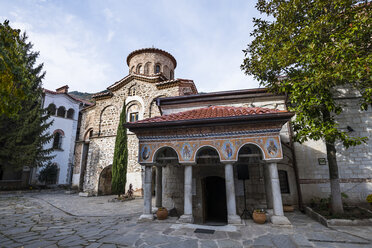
<point>259,217</point>
<point>162,213</point>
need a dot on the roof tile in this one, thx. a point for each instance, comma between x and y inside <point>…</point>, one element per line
<point>211,112</point>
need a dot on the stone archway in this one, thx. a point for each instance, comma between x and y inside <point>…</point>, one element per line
<point>105,178</point>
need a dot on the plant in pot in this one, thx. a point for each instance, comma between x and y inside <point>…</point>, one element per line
<point>259,216</point>
<point>162,213</point>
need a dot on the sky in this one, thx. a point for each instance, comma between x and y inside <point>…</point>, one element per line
<point>84,43</point>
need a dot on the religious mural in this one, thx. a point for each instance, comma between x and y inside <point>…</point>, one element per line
<point>227,149</point>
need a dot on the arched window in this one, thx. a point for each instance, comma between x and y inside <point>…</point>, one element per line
<point>70,113</point>
<point>147,68</point>
<point>132,91</point>
<point>283,181</point>
<point>57,140</point>
<point>52,109</point>
<point>131,69</point>
<point>171,74</point>
<point>61,111</point>
<point>139,68</point>
<point>133,112</point>
<point>157,68</point>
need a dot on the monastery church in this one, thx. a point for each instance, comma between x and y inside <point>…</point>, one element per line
<point>211,156</point>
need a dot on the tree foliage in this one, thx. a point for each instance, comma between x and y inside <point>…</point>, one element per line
<point>23,122</point>
<point>119,166</point>
<point>317,46</point>
<point>309,50</point>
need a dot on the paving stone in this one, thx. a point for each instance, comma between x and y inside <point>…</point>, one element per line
<point>207,244</point>
<point>263,241</point>
<point>181,244</point>
<point>128,239</point>
<point>283,241</point>
<point>226,243</point>
<point>94,245</point>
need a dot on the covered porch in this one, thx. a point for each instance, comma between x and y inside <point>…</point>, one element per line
<point>201,155</point>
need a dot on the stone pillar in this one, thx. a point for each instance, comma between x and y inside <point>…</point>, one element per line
<point>232,217</point>
<point>187,210</point>
<point>278,218</point>
<point>159,187</point>
<point>147,209</point>
<point>269,198</point>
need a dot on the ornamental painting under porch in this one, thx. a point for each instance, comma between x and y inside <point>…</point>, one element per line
<point>198,153</point>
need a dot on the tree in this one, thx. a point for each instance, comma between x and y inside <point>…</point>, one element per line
<point>310,49</point>
<point>119,166</point>
<point>23,126</point>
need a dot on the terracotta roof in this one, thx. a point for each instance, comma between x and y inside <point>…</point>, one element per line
<point>152,50</point>
<point>211,113</point>
<point>72,97</point>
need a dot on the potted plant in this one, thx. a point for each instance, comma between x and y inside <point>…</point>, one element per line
<point>162,213</point>
<point>259,216</point>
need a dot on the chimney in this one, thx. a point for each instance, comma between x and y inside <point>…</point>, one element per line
<point>63,89</point>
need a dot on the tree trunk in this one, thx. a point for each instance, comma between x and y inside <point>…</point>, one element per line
<point>336,201</point>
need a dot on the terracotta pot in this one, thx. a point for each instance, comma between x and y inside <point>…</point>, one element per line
<point>288,208</point>
<point>259,218</point>
<point>162,213</point>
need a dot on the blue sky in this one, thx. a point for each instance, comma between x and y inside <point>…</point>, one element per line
<point>85,43</point>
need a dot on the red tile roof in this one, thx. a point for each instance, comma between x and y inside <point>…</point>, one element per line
<point>71,96</point>
<point>211,112</point>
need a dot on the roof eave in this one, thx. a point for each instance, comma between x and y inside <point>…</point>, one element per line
<point>273,117</point>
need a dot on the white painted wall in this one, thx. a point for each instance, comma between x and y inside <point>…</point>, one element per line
<point>64,157</point>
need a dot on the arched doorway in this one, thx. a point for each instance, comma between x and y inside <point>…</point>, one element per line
<point>105,178</point>
<point>215,208</point>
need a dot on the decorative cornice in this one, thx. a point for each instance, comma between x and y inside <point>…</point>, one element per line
<point>208,135</point>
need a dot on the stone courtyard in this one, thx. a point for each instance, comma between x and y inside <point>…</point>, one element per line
<point>56,219</point>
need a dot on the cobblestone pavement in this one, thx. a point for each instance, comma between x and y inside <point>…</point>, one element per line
<point>54,219</point>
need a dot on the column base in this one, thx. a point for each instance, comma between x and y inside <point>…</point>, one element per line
<point>280,221</point>
<point>234,220</point>
<point>146,218</point>
<point>186,218</point>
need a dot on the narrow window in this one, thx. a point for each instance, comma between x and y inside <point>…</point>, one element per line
<point>61,111</point>
<point>139,68</point>
<point>133,117</point>
<point>283,181</point>
<point>157,68</point>
<point>132,91</point>
<point>70,113</point>
<point>57,142</point>
<point>52,109</point>
<point>171,74</point>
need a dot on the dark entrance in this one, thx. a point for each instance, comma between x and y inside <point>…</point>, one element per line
<point>104,186</point>
<point>215,210</point>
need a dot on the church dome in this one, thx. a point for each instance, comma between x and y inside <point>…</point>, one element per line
<point>152,61</point>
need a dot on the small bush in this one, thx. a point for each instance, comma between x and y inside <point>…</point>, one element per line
<point>48,174</point>
<point>369,198</point>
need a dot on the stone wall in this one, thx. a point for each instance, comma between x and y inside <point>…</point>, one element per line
<point>103,119</point>
<point>355,163</point>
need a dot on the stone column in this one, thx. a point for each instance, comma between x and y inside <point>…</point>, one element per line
<point>278,218</point>
<point>147,209</point>
<point>187,210</point>
<point>159,187</point>
<point>232,217</point>
<point>269,198</point>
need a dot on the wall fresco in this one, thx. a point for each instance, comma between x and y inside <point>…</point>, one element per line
<point>228,149</point>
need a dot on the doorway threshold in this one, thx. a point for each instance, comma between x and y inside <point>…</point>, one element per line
<point>226,228</point>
